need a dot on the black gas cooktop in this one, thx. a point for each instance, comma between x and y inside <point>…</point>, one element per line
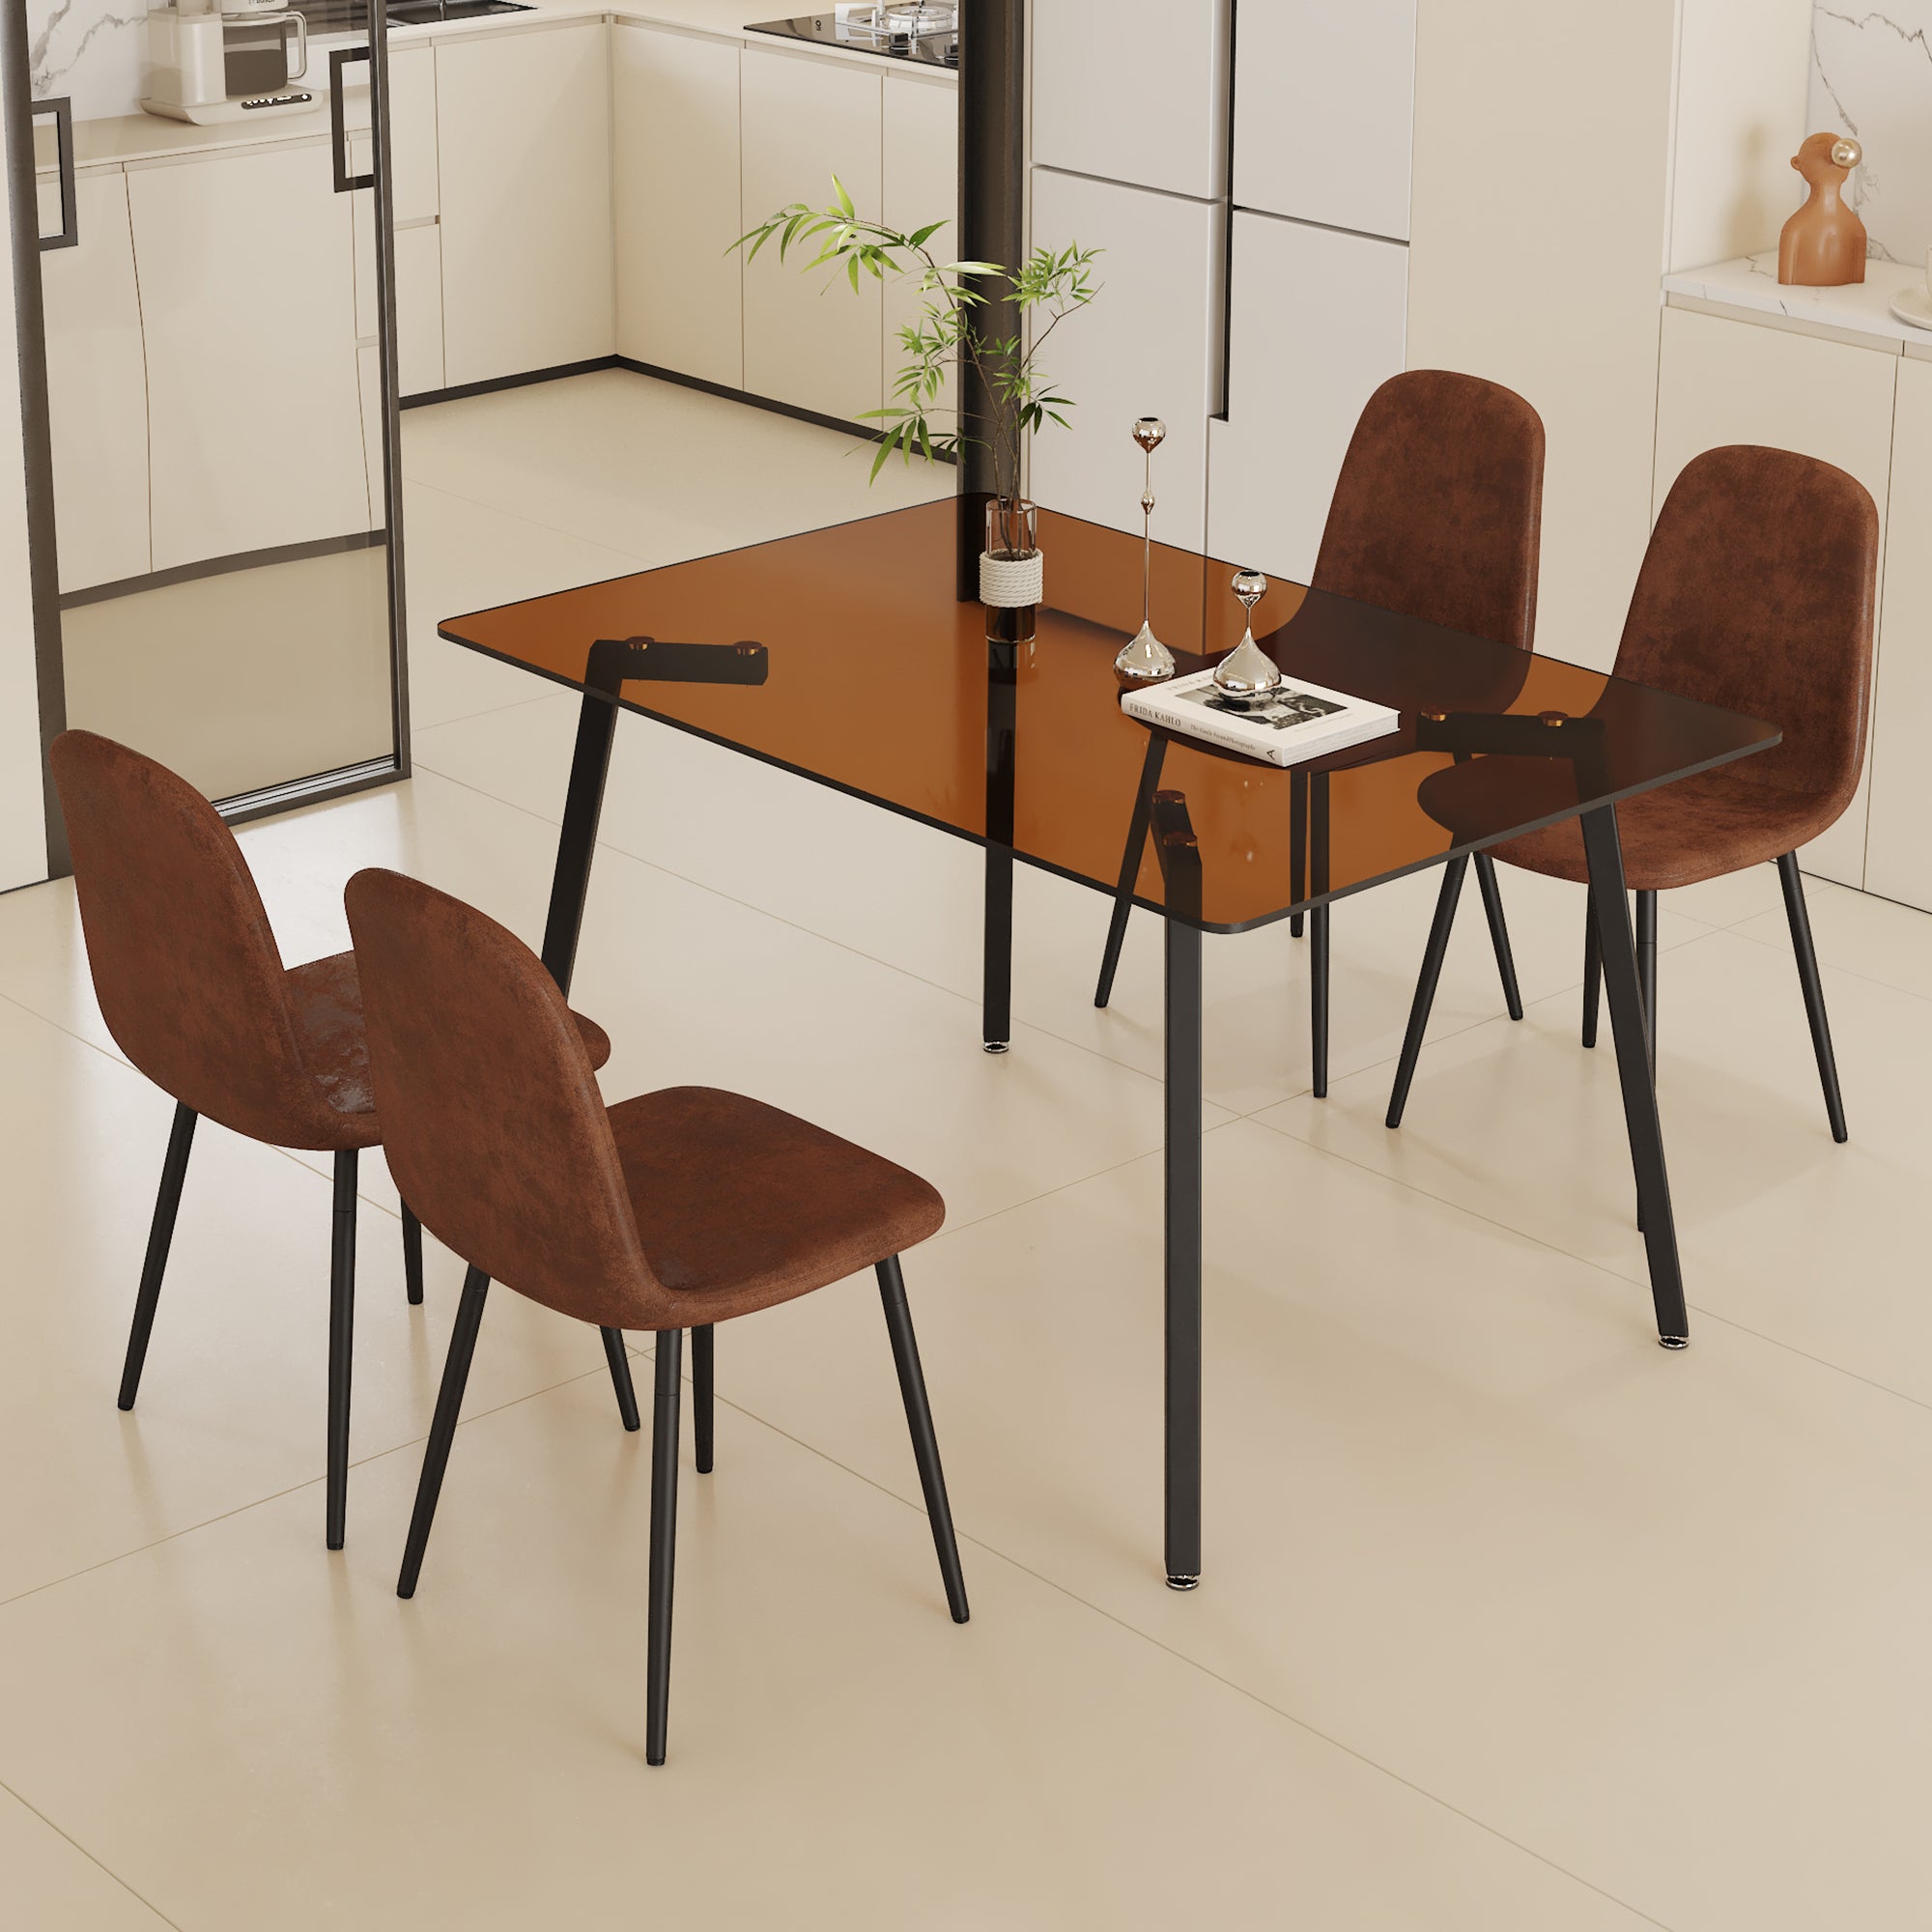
<point>352,16</point>
<point>925,31</point>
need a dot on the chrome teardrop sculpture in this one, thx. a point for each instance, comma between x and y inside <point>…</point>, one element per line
<point>1144,659</point>
<point>1247,674</point>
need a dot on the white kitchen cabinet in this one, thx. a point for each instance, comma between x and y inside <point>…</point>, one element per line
<point>97,391</point>
<point>248,305</point>
<point>1325,101</point>
<point>921,185</point>
<point>1319,323</point>
<point>1898,857</point>
<point>1148,345</point>
<point>524,160</point>
<point>1724,381</point>
<point>412,156</point>
<point>675,169</point>
<point>808,340</point>
<point>418,286</point>
<point>1136,92</point>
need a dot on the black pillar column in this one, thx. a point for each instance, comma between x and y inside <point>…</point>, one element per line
<point>992,223</point>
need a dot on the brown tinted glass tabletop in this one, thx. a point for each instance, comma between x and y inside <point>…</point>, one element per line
<point>878,680</point>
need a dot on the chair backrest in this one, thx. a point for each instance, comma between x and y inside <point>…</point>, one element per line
<point>1439,510</point>
<point>184,963</point>
<point>493,1124</point>
<point>1757,593</point>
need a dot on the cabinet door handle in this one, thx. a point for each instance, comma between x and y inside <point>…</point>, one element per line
<point>345,182</point>
<point>62,109</point>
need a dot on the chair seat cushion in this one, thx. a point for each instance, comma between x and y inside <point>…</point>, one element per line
<point>740,1205</point>
<point>1678,835</point>
<point>326,1004</point>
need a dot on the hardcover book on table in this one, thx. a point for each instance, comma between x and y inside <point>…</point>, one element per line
<point>1294,721</point>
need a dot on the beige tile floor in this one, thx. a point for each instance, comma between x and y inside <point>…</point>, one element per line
<point>1511,1619</point>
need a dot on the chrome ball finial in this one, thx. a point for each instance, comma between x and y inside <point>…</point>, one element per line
<point>1150,431</point>
<point>1247,674</point>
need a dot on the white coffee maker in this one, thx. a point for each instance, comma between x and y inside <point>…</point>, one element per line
<point>227,59</point>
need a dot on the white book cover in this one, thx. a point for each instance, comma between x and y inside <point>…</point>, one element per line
<point>1296,721</point>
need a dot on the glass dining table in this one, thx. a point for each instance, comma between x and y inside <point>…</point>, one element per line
<point>848,656</point>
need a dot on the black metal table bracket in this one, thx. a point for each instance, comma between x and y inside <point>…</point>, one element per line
<point>614,663</point>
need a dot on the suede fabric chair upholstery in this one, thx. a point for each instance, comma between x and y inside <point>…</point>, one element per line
<point>1757,593</point>
<point>186,970</point>
<point>192,988</point>
<point>676,1209</point>
<point>671,1211</point>
<point>1439,510</point>
<point>1436,514</point>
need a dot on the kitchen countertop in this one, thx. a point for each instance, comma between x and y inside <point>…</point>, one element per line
<point>1749,288</point>
<point>119,140</point>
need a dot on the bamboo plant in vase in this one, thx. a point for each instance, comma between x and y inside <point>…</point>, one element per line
<point>949,336</point>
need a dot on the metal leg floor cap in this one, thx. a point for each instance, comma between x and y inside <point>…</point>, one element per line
<point>1184,1582</point>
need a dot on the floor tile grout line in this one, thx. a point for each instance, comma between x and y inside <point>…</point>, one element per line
<point>116,1059</point>
<point>643,563</point>
<point>277,1496</point>
<point>953,992</point>
<point>1783,943</point>
<point>1192,1663</point>
<point>1707,928</point>
<point>100,1865</point>
<point>824,939</point>
<point>1637,1281</point>
<point>993,1213</point>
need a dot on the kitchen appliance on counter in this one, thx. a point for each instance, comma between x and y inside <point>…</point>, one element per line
<point>234,60</point>
<point>925,31</point>
<point>352,16</point>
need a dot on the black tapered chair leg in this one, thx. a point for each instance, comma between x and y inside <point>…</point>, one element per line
<point>160,1237</point>
<point>663,1541</point>
<point>1646,970</point>
<point>925,1441</point>
<point>1317,1000</point>
<point>341,1343</point>
<point>1646,980</point>
<point>619,1358</point>
<point>1426,983</point>
<point>412,1257</point>
<point>1499,937</point>
<point>443,1429</point>
<point>701,1396</point>
<point>1593,976</point>
<point>1799,920</point>
<point>1130,866</point>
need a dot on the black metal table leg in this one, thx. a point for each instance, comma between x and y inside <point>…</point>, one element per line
<point>1630,1027</point>
<point>1181,868</point>
<point>1317,934</point>
<point>1007,632</point>
<point>1298,844</point>
<point>577,842</point>
<point>570,884</point>
<point>1130,864</point>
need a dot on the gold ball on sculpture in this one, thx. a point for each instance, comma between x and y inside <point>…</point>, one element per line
<point>1150,431</point>
<point>1846,154</point>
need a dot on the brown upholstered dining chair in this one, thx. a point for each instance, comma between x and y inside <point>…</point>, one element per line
<point>1756,593</point>
<point>192,988</point>
<point>676,1209</point>
<point>1436,514</point>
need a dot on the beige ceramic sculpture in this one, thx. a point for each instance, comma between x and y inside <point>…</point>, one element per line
<point>1822,246</point>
